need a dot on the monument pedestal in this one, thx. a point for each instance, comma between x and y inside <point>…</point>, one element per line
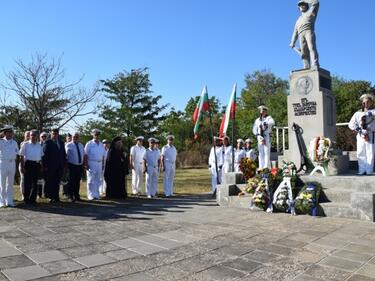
<point>312,107</point>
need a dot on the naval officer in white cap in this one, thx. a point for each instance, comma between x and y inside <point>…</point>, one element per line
<point>94,161</point>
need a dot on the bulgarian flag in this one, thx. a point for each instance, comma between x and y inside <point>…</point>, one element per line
<point>229,112</point>
<point>202,106</point>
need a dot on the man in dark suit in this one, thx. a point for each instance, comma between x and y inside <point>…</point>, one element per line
<point>53,163</point>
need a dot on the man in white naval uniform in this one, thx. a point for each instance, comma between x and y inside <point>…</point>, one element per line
<point>239,154</point>
<point>8,154</point>
<point>137,152</point>
<point>250,152</point>
<point>262,130</point>
<point>94,161</point>
<point>212,160</point>
<point>363,123</point>
<point>226,157</point>
<point>151,162</point>
<point>168,165</point>
<point>305,30</point>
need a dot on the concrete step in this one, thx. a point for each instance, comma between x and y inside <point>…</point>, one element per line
<point>340,210</point>
<point>336,195</point>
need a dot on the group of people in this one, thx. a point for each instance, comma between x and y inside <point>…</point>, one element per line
<point>45,159</point>
<point>224,158</point>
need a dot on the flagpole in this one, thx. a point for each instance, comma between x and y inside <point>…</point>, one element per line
<point>214,141</point>
<point>233,124</point>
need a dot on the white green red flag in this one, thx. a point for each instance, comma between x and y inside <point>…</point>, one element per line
<point>201,107</point>
<point>229,112</point>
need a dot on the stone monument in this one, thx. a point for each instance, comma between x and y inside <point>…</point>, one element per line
<point>311,105</point>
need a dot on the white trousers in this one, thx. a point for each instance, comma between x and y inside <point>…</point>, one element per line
<point>264,155</point>
<point>214,177</point>
<point>137,178</point>
<point>168,178</point>
<point>103,184</point>
<point>94,175</point>
<point>365,155</point>
<point>237,167</point>
<point>227,168</point>
<point>152,175</point>
<point>7,173</point>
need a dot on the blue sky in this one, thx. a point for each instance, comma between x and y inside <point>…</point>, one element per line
<point>186,44</point>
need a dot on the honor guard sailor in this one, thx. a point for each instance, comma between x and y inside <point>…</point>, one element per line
<point>94,161</point>
<point>151,162</point>
<point>262,130</point>
<point>8,156</point>
<point>137,152</point>
<point>363,124</point>
<point>168,165</point>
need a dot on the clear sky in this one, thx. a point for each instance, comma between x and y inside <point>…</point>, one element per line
<point>186,44</point>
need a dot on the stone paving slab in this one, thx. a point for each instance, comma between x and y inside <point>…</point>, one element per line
<point>9,251</point>
<point>342,264</point>
<point>15,261</point>
<point>26,273</point>
<point>94,260</point>
<point>62,266</point>
<point>49,256</point>
<point>182,238</point>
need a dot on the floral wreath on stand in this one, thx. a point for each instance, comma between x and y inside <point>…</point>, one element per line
<point>319,154</point>
<point>283,196</point>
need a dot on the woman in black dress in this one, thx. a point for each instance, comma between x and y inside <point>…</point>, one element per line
<point>116,169</point>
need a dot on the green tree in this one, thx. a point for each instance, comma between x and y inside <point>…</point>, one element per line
<point>132,109</point>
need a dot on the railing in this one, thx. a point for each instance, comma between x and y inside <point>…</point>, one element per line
<point>285,130</point>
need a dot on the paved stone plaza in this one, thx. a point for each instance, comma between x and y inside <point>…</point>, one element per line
<point>184,238</point>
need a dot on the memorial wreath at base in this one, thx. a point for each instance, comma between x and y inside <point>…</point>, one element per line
<point>319,154</point>
<point>283,196</point>
<point>307,200</point>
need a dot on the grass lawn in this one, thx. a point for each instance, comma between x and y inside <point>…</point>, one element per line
<point>187,181</point>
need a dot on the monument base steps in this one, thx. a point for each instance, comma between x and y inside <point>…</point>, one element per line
<point>346,196</point>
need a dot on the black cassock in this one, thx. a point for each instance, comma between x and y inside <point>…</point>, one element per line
<point>116,168</point>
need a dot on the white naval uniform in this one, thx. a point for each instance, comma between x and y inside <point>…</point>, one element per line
<point>169,154</point>
<point>238,155</point>
<point>152,157</point>
<point>8,155</point>
<point>251,154</point>
<point>264,149</point>
<point>137,152</point>
<point>226,159</point>
<point>95,153</point>
<point>212,166</point>
<point>365,149</point>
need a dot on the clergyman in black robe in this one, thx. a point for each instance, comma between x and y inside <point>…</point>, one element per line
<point>116,169</point>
